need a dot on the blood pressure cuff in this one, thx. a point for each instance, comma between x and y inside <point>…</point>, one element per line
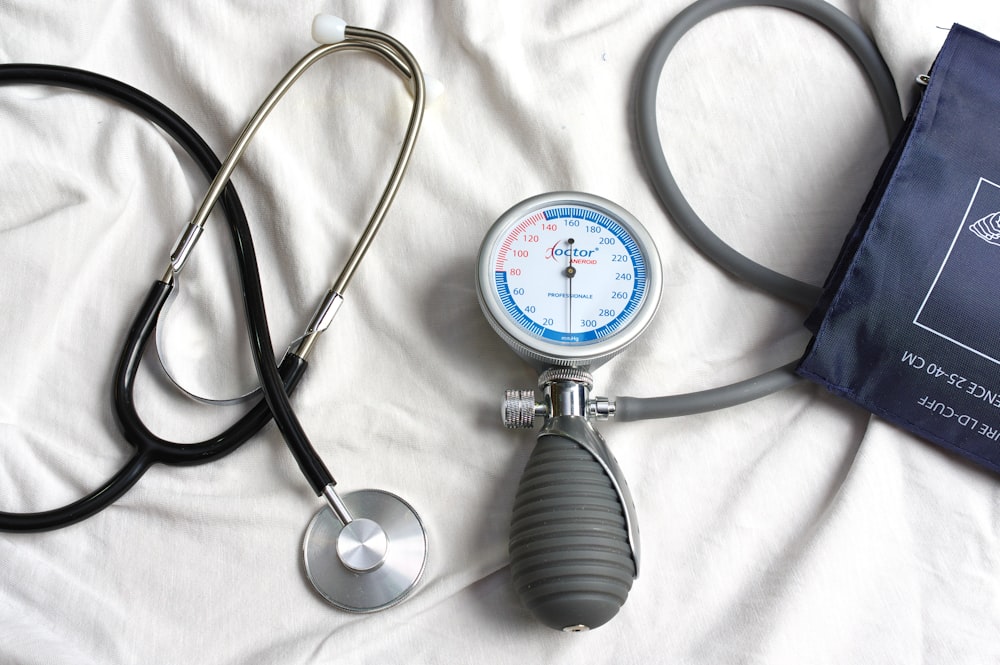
<point>909,322</point>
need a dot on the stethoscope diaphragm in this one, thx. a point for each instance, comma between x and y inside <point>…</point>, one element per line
<point>370,563</point>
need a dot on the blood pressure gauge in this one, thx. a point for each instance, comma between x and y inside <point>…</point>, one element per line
<point>568,279</point>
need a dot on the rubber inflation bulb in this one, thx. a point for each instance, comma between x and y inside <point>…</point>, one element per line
<point>328,29</point>
<point>571,562</point>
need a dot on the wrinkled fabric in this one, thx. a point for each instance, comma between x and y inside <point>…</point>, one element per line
<point>795,529</point>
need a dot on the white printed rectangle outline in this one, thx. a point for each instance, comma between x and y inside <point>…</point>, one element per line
<point>954,240</point>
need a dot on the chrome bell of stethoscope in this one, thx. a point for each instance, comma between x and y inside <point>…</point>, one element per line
<point>367,550</point>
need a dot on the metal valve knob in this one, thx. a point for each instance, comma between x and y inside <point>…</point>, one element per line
<point>518,409</point>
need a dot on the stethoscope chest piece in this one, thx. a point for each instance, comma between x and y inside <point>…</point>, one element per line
<point>372,562</point>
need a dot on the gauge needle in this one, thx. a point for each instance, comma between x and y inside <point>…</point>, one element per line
<point>570,272</point>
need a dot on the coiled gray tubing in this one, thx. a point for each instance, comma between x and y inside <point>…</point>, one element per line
<point>849,32</point>
<point>571,562</point>
<point>697,231</point>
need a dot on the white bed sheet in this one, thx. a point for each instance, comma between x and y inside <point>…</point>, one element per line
<point>795,529</point>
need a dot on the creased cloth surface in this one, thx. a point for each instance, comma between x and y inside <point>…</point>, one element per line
<point>795,529</point>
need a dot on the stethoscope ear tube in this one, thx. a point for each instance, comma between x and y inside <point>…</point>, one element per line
<point>149,449</point>
<point>358,563</point>
<point>309,461</point>
<point>154,448</point>
<point>79,510</point>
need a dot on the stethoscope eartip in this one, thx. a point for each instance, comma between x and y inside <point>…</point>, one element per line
<point>372,562</point>
<point>433,88</point>
<point>328,29</point>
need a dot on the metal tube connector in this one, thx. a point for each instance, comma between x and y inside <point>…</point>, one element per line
<point>185,243</point>
<point>320,321</point>
<point>601,408</point>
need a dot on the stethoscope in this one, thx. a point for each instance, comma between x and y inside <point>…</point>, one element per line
<point>363,551</point>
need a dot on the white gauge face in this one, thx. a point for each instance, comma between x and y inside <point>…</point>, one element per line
<point>568,278</point>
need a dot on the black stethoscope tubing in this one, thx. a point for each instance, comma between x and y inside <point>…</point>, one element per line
<point>149,448</point>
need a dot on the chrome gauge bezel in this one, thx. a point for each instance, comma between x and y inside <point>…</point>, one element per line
<point>533,348</point>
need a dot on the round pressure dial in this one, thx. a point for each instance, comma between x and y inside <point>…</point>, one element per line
<point>568,278</point>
